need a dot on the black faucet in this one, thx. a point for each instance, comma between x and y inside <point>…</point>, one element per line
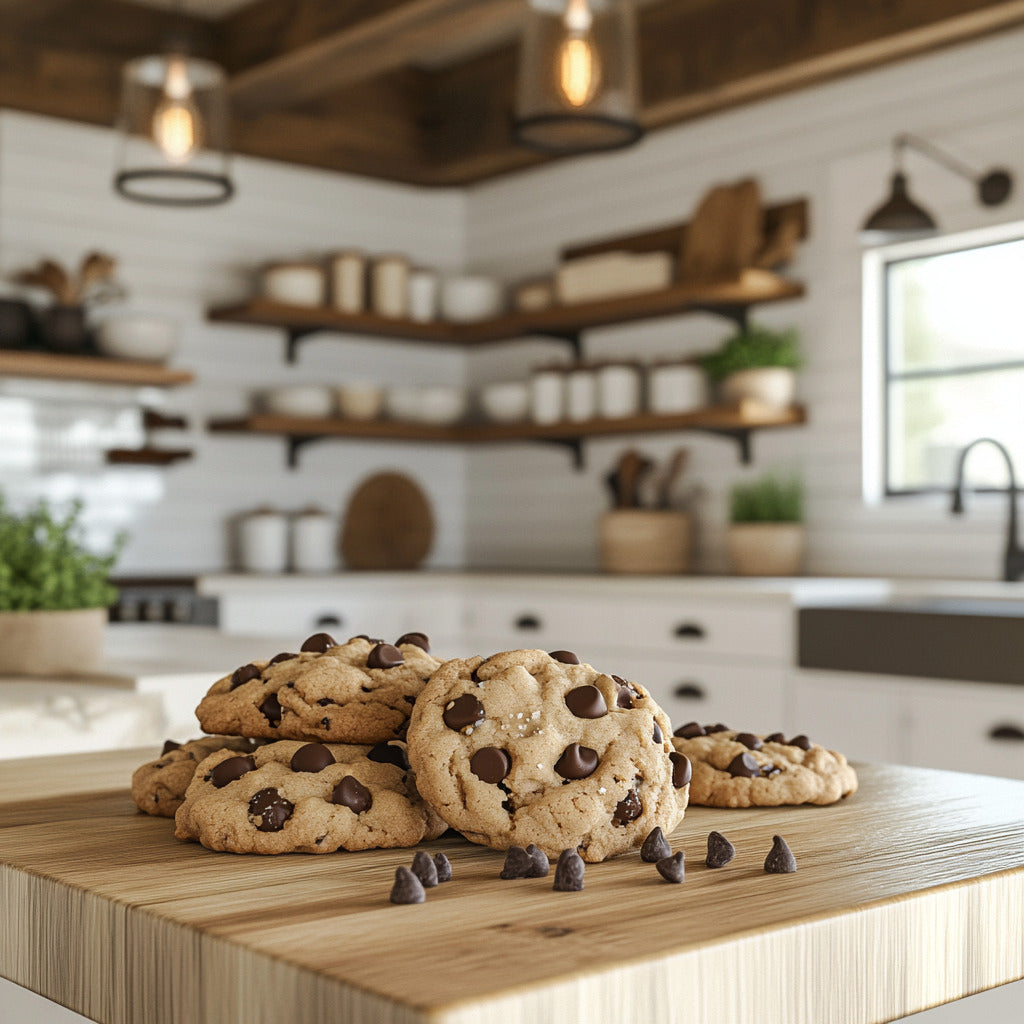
<point>1013,560</point>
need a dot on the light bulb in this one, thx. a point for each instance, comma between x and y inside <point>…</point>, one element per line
<point>579,71</point>
<point>177,125</point>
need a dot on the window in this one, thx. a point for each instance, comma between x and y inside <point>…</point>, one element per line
<point>951,362</point>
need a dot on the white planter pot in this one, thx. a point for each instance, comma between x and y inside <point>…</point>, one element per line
<point>51,643</point>
<point>766,549</point>
<point>769,385</point>
<point>648,541</point>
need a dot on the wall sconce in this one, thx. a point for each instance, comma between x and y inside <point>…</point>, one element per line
<point>900,218</point>
<point>578,88</point>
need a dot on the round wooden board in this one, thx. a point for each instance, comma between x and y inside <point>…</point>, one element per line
<point>388,524</point>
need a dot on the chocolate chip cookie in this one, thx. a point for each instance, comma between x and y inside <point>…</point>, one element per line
<point>529,747</point>
<point>158,787</point>
<point>741,769</point>
<point>358,692</point>
<point>293,797</point>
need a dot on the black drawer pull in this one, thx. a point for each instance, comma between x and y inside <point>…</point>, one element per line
<point>330,620</point>
<point>528,622</point>
<point>689,631</point>
<point>1013,733</point>
<point>689,691</point>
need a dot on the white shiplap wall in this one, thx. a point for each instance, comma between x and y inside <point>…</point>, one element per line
<point>831,144</point>
<point>56,201</point>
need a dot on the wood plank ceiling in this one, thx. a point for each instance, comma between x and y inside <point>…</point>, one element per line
<point>422,90</point>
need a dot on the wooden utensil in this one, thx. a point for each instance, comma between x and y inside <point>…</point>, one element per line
<point>669,476</point>
<point>388,524</point>
<point>632,467</point>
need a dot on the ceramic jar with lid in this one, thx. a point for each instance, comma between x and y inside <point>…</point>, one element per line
<point>348,281</point>
<point>424,287</point>
<point>676,387</point>
<point>313,541</point>
<point>389,287</point>
<point>580,393</point>
<point>619,389</point>
<point>547,394</point>
<point>263,541</point>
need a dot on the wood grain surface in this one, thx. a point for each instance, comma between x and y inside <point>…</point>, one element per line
<point>908,894</point>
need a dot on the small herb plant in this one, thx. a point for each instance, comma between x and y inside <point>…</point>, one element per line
<point>768,500</point>
<point>43,566</point>
<point>753,349</point>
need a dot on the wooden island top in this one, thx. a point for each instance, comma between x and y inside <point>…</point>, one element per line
<point>908,894</point>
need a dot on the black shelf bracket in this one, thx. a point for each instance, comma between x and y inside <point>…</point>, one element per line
<point>740,435</point>
<point>574,339</point>
<point>297,443</point>
<point>294,335</point>
<point>574,444</point>
<point>739,315</point>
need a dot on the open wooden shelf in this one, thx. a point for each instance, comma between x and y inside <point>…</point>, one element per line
<point>92,369</point>
<point>733,421</point>
<point>727,298</point>
<point>146,456</point>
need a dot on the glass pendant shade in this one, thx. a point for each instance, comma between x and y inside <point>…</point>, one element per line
<point>173,121</point>
<point>578,87</point>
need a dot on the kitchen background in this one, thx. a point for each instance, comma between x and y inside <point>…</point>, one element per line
<point>516,506</point>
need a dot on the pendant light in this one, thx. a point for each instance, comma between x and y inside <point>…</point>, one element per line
<point>578,88</point>
<point>173,121</point>
<point>900,218</point>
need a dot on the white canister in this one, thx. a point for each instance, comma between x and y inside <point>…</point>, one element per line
<point>547,394</point>
<point>676,388</point>
<point>263,541</point>
<point>618,390</point>
<point>580,393</point>
<point>389,287</point>
<point>294,284</point>
<point>348,282</point>
<point>313,536</point>
<point>423,293</point>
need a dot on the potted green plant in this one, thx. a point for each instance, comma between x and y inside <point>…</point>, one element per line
<point>766,533</point>
<point>756,363</point>
<point>54,594</point>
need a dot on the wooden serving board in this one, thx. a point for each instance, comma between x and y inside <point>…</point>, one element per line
<point>908,894</point>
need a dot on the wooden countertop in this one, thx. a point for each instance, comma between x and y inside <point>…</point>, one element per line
<point>909,894</point>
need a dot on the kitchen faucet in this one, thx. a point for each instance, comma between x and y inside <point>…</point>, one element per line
<point>1013,560</point>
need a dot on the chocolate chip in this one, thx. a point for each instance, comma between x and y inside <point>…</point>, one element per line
<point>577,762</point>
<point>569,872</point>
<point>389,753</point>
<point>324,723</point>
<point>318,643</point>
<point>780,859</point>
<point>624,698</point>
<point>775,737</point>
<point>420,640</point>
<point>385,656</point>
<point>628,809</point>
<point>745,766</point>
<point>565,657</point>
<point>243,675</point>
<point>770,770</point>
<point>720,850</point>
<point>351,793</point>
<point>475,675</point>
<point>490,764</point>
<point>425,869</point>
<point>690,731</point>
<point>518,864</point>
<point>283,656</point>
<point>271,709</point>
<point>231,768</point>
<point>682,771</point>
<point>673,868</point>
<point>801,741</point>
<point>271,808</point>
<point>325,701</point>
<point>407,888</point>
<point>313,757</point>
<point>586,702</point>
<point>749,740</point>
<point>169,745</point>
<point>443,867</point>
<point>657,737</point>
<point>539,865</point>
<point>619,680</point>
<point>655,847</point>
<point>464,712</point>
<point>709,729</point>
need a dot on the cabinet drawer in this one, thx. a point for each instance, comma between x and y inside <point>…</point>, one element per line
<point>967,728</point>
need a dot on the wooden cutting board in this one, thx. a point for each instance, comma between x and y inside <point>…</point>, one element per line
<point>908,894</point>
<point>388,524</point>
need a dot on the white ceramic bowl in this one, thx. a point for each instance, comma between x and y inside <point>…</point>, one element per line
<point>137,336</point>
<point>294,284</point>
<point>469,297</point>
<point>360,401</point>
<point>437,404</point>
<point>402,403</point>
<point>300,400</point>
<point>505,401</point>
